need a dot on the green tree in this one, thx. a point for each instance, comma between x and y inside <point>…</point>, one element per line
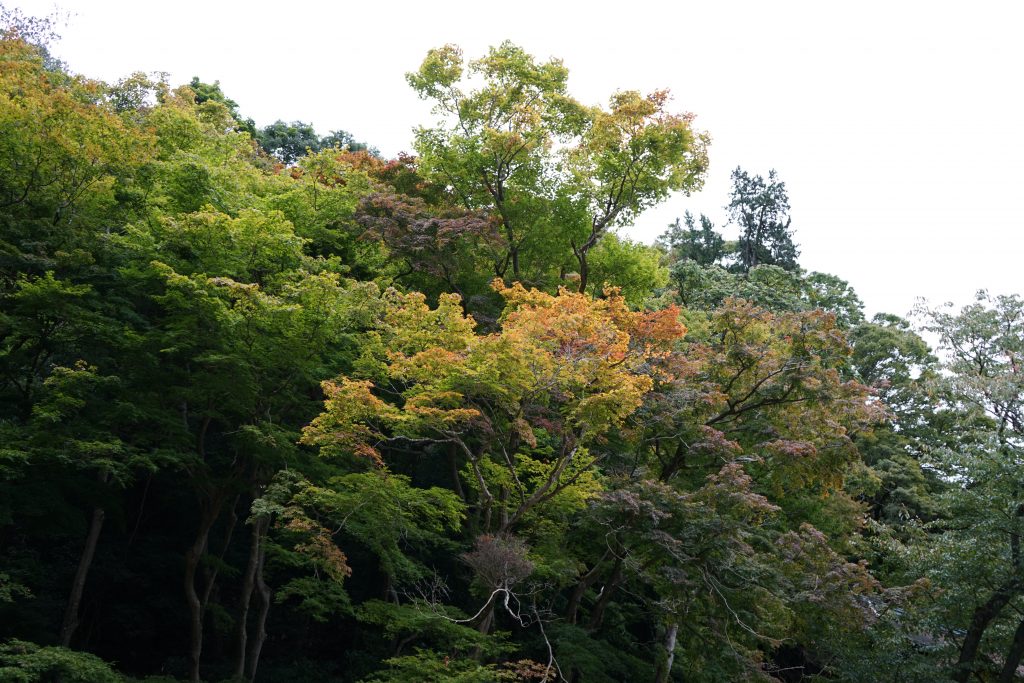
<point>288,141</point>
<point>635,268</point>
<point>705,246</point>
<point>558,175</point>
<point>760,209</point>
<point>977,550</point>
<point>493,145</point>
<point>891,358</point>
<point>520,408</point>
<point>211,92</point>
<point>291,141</point>
<point>629,159</point>
<point>23,662</point>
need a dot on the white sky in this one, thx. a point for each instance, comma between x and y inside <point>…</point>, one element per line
<point>897,126</point>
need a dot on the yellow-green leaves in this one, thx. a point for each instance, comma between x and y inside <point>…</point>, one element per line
<point>563,364</point>
<point>441,69</point>
<point>524,407</point>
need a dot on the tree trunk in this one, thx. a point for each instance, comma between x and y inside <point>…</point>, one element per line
<point>1013,657</point>
<point>668,657</point>
<point>503,502</point>
<point>70,621</point>
<point>263,591</point>
<point>210,574</point>
<point>982,617</point>
<point>488,620</point>
<point>675,463</point>
<point>195,606</point>
<point>584,271</point>
<point>586,581</point>
<point>248,585</point>
<point>484,627</point>
<point>515,263</point>
<point>453,463</point>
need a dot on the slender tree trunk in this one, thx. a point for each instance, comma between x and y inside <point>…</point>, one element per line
<point>1013,657</point>
<point>503,502</point>
<point>668,657</point>
<point>210,574</point>
<point>488,620</point>
<point>673,465</point>
<point>248,585</point>
<point>263,591</point>
<point>982,617</point>
<point>70,622</point>
<point>487,516</point>
<point>598,226</point>
<point>195,605</point>
<point>453,463</point>
<point>584,271</point>
<point>484,627</point>
<point>515,263</point>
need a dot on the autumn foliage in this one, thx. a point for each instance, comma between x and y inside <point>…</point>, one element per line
<point>282,416</point>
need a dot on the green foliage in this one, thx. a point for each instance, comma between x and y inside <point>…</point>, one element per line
<point>279,421</point>
<point>704,246</point>
<point>432,667</point>
<point>760,209</point>
<point>211,92</point>
<point>23,662</point>
<point>971,554</point>
<point>705,288</point>
<point>557,175</point>
<point>384,513</point>
<point>599,660</point>
<point>291,141</point>
<point>633,267</point>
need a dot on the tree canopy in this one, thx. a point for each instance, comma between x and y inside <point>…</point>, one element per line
<point>275,408</point>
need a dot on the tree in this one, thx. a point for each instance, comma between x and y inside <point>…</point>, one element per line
<point>632,267</point>
<point>30,663</point>
<point>979,557</point>
<point>493,145</point>
<point>524,409</point>
<point>432,244</point>
<point>38,32</point>
<point>726,473</point>
<point>761,211</point>
<point>833,294</point>
<point>898,365</point>
<point>65,155</point>
<point>559,175</point>
<point>705,246</point>
<point>288,141</point>
<point>211,92</point>
<point>629,159</point>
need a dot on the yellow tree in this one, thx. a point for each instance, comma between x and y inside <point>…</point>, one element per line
<point>525,409</point>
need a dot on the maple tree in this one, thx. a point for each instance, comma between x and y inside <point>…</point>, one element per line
<point>533,399</point>
<point>558,175</point>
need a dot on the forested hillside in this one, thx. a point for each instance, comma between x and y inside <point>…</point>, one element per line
<point>275,408</point>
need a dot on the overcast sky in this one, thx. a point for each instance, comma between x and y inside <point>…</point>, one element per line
<point>898,127</point>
